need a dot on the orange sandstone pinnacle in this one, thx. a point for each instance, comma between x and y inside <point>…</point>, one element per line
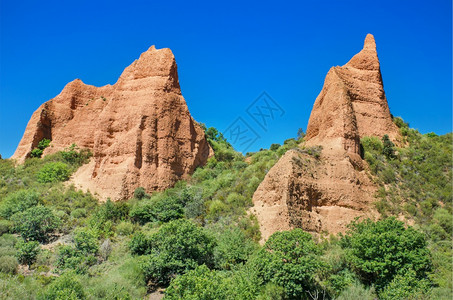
<point>139,129</point>
<point>326,194</point>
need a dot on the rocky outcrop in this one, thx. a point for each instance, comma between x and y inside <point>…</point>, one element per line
<point>352,104</point>
<point>319,195</point>
<point>139,130</point>
<point>325,193</point>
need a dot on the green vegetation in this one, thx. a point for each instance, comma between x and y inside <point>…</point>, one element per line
<point>291,260</point>
<point>197,241</point>
<point>37,152</point>
<point>36,223</point>
<point>27,252</point>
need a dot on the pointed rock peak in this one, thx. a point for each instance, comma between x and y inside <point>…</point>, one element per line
<point>370,43</point>
<point>352,104</point>
<point>367,58</point>
<point>153,62</point>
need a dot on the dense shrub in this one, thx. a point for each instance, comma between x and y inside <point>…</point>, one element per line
<point>140,193</point>
<point>5,226</point>
<point>139,244</point>
<point>27,252</point>
<point>203,283</point>
<point>161,208</point>
<point>176,247</point>
<point>405,286</point>
<point>290,259</point>
<point>76,156</point>
<point>85,241</point>
<point>67,286</point>
<point>8,264</point>
<point>36,223</point>
<point>54,172</point>
<point>233,247</point>
<point>357,291</point>
<point>18,202</point>
<point>37,152</point>
<point>68,257</point>
<point>125,228</point>
<point>388,147</point>
<point>378,251</point>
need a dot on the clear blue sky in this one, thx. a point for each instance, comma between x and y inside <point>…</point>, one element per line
<point>228,54</point>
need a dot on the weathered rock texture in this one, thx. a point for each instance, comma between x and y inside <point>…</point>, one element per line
<point>326,193</point>
<point>139,129</point>
<point>352,104</point>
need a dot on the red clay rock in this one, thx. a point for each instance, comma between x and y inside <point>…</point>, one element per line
<point>325,194</point>
<point>139,129</point>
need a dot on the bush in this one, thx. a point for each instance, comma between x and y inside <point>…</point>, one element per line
<point>378,251</point>
<point>233,247</point>
<point>140,193</point>
<point>139,244</point>
<point>27,252</point>
<point>5,226</point>
<point>161,208</point>
<point>76,156</point>
<point>85,241</point>
<point>36,223</point>
<point>37,152</point>
<point>388,147</point>
<point>200,283</point>
<point>357,291</point>
<point>67,286</point>
<point>17,202</point>
<point>8,264</point>
<point>405,286</point>
<point>178,246</point>
<point>125,228</point>
<point>54,172</point>
<point>69,257</point>
<point>290,259</point>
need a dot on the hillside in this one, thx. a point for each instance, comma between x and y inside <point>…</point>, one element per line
<point>84,249</point>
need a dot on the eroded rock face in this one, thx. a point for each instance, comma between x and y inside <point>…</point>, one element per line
<point>326,193</point>
<point>139,129</point>
<point>352,104</point>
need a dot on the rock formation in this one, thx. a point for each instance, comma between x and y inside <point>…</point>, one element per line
<point>352,104</point>
<point>325,193</point>
<point>139,130</point>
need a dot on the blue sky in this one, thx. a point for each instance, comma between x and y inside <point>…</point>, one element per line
<point>228,54</point>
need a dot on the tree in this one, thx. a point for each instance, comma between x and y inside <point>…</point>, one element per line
<point>389,147</point>
<point>178,246</point>
<point>378,251</point>
<point>290,259</point>
<point>274,147</point>
<point>36,223</point>
<point>300,134</point>
<point>27,252</point>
